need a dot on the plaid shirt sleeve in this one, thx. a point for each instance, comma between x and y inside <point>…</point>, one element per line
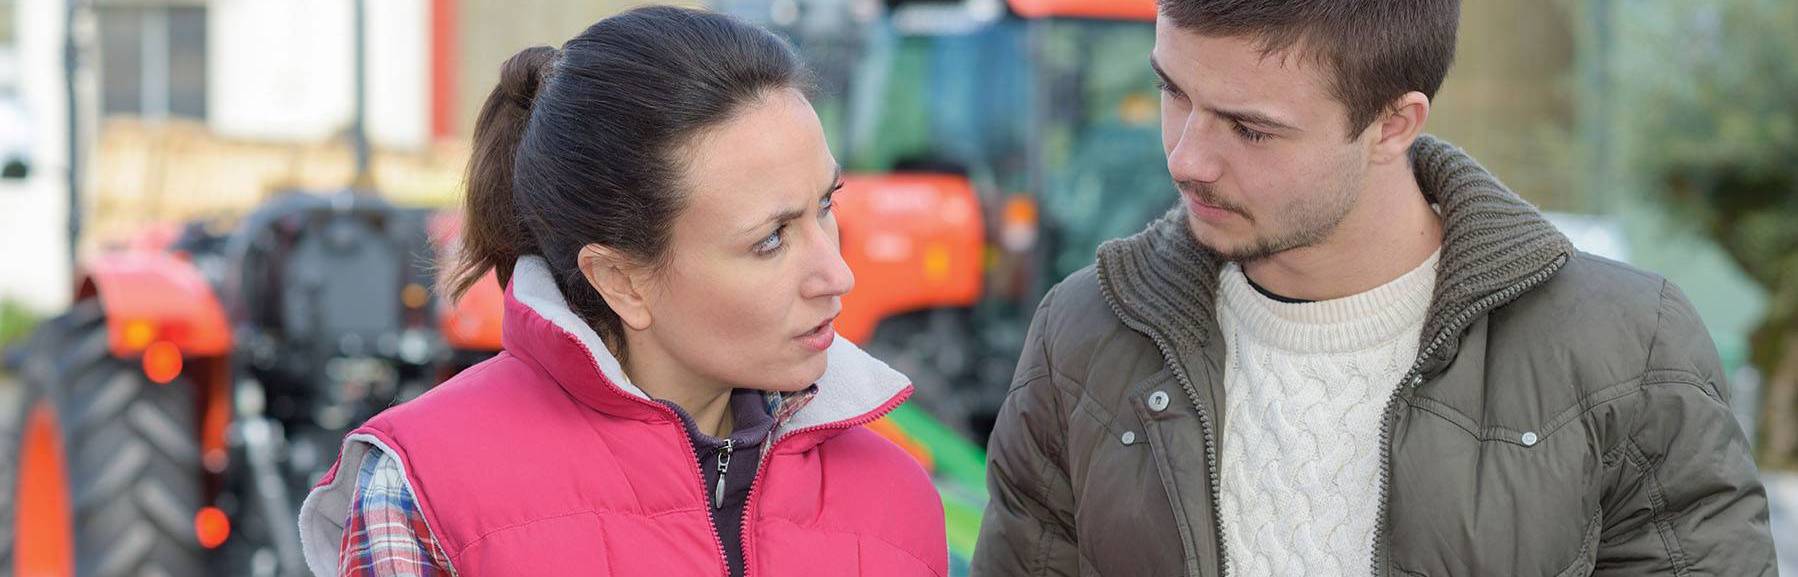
<point>386,535</point>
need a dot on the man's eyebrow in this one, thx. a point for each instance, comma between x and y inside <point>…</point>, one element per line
<point>1253,117</point>
<point>1241,116</point>
<point>1156,66</point>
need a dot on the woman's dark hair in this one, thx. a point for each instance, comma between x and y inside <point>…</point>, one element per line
<point>582,146</point>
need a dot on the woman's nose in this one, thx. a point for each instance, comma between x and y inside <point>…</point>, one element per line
<point>830,275</point>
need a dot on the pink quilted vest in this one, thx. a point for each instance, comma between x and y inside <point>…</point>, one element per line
<point>545,460</point>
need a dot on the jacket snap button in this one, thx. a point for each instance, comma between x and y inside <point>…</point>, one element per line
<point>1129,437</point>
<point>1158,401</point>
<point>1529,439</point>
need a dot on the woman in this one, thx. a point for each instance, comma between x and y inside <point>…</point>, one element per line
<point>672,400</point>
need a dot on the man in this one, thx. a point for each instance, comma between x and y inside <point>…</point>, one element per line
<point>1352,351</point>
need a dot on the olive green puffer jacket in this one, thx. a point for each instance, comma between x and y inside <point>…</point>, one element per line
<point>1566,415</point>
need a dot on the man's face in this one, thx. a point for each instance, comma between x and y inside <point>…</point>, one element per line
<point>1256,143</point>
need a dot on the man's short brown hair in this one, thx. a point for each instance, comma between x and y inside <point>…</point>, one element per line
<point>1375,50</point>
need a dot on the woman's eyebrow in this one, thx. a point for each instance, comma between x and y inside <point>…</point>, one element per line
<point>795,213</point>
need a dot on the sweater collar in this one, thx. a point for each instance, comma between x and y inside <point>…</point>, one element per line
<point>1341,325</point>
<point>1496,246</point>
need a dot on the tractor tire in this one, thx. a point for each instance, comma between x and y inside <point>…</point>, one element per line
<point>20,360</point>
<point>130,450</point>
<point>16,403</point>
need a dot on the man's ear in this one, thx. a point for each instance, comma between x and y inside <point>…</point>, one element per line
<point>621,281</point>
<point>1399,126</point>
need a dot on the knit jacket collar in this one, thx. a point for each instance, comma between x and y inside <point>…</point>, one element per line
<point>1495,247</point>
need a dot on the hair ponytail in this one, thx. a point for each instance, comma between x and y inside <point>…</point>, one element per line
<point>582,146</point>
<point>493,235</point>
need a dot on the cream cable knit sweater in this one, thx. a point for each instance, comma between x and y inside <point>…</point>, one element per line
<point>1305,385</point>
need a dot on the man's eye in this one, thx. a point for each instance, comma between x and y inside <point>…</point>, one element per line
<point>1166,88</point>
<point>1250,134</point>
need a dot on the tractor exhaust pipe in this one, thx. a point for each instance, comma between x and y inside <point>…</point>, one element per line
<point>363,181</point>
<point>259,437</point>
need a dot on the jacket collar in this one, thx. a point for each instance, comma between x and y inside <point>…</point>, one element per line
<point>540,328</point>
<point>1496,246</point>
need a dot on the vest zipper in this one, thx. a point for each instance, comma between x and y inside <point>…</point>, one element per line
<point>775,437</point>
<point>723,470</point>
<point>717,538</point>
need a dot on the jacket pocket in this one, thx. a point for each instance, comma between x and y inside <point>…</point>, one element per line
<point>577,543</point>
<point>1582,564</point>
<point>1588,549</point>
<point>880,559</point>
<point>1126,522</point>
<point>1489,501</point>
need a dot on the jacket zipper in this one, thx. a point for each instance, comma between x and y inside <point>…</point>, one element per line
<point>717,538</point>
<point>747,537</point>
<point>1205,425</point>
<point>1414,378</point>
<point>1210,456</point>
<point>723,470</point>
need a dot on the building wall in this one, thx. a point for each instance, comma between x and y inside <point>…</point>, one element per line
<point>285,71</point>
<point>491,32</point>
<point>280,101</point>
<point>1510,98</point>
<point>33,216</point>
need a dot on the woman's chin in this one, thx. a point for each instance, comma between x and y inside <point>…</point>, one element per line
<point>799,377</point>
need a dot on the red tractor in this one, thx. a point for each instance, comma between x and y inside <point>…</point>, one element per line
<point>175,416</point>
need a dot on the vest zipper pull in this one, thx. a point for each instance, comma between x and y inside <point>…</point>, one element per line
<point>723,469</point>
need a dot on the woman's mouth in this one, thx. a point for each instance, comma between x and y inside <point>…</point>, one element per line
<point>820,337</point>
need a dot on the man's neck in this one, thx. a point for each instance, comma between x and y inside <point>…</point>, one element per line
<point>1388,234</point>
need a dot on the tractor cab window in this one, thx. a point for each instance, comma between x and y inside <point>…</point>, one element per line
<point>1063,110</point>
<point>1104,173</point>
<point>963,97</point>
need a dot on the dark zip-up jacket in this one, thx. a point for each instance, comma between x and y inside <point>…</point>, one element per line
<point>1566,415</point>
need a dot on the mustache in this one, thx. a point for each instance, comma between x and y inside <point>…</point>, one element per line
<point>1208,195</point>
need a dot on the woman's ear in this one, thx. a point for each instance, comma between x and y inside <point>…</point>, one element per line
<point>621,281</point>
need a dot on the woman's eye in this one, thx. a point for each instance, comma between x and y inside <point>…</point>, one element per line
<point>829,201</point>
<point>772,243</point>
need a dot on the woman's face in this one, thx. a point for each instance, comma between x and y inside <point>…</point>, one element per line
<point>754,277</point>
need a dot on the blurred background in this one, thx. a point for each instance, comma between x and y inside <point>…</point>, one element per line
<point>220,220</point>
